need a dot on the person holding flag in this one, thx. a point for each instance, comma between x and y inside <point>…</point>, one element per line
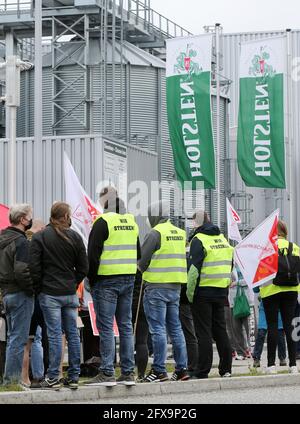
<point>209,276</point>
<point>281,296</point>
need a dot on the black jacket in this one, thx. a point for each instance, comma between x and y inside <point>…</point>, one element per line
<point>57,265</point>
<point>14,257</point>
<point>98,236</point>
<point>196,258</point>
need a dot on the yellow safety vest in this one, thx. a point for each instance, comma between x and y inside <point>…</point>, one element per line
<point>217,264</point>
<point>168,264</point>
<point>271,289</point>
<point>119,255</point>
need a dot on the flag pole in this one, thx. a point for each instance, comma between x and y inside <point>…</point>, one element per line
<point>218,123</point>
<point>290,132</point>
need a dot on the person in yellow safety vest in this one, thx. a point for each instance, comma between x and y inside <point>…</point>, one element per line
<point>113,252</point>
<point>164,268</point>
<point>210,266</point>
<point>281,298</point>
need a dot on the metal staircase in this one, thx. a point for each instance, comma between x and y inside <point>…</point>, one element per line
<point>142,25</point>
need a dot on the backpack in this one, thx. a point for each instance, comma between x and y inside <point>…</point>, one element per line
<point>288,268</point>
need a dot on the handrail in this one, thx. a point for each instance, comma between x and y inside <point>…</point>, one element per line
<point>139,10</point>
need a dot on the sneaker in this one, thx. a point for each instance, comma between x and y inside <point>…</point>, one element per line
<point>248,354</point>
<point>35,384</point>
<point>293,370</point>
<point>156,377</point>
<point>49,384</point>
<point>140,379</point>
<point>24,387</point>
<point>271,370</point>
<point>70,383</point>
<point>240,358</point>
<point>181,375</point>
<point>102,380</point>
<point>126,379</point>
<point>256,363</point>
<point>226,375</point>
<point>282,363</point>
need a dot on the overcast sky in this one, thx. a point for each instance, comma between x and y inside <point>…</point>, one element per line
<point>234,15</point>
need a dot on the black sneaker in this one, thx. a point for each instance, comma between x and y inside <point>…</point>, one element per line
<point>256,363</point>
<point>70,383</point>
<point>156,377</point>
<point>181,375</point>
<point>126,379</point>
<point>49,384</point>
<point>36,384</point>
<point>102,380</point>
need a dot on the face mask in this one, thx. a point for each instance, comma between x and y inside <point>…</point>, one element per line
<point>29,225</point>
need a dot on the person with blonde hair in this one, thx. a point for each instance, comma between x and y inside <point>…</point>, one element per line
<point>281,296</point>
<point>58,263</point>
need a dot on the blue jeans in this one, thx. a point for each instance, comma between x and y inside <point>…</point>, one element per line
<point>60,312</point>
<point>260,340</point>
<point>18,310</point>
<point>113,298</point>
<point>161,308</point>
<point>37,356</point>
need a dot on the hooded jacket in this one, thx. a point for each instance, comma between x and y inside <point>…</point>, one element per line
<point>157,214</point>
<point>196,258</point>
<point>14,258</point>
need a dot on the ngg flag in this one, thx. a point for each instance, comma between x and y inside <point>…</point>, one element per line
<point>261,153</point>
<point>189,108</point>
<point>84,211</point>
<point>257,254</point>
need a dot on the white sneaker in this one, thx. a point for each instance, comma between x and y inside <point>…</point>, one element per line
<point>271,370</point>
<point>293,370</point>
<point>240,358</point>
<point>226,375</point>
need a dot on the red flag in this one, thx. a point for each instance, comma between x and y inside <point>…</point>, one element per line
<point>257,254</point>
<point>4,221</point>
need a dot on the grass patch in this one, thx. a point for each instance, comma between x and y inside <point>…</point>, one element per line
<point>11,388</point>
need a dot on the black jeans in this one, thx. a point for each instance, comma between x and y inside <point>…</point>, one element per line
<point>187,323</point>
<point>209,321</point>
<point>285,302</point>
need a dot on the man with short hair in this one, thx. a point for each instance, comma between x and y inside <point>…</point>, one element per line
<point>17,288</point>
<point>209,276</point>
<point>163,264</point>
<point>113,251</point>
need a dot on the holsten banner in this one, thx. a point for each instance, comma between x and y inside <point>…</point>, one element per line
<point>189,108</point>
<point>261,155</point>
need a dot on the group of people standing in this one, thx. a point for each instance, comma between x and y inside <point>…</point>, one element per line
<point>169,286</point>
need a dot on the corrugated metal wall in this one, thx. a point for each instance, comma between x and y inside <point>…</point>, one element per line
<point>47,175</point>
<point>144,113</point>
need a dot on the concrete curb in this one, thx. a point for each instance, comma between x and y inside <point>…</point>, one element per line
<point>85,394</point>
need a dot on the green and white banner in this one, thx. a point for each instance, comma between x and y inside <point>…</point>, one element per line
<point>189,108</point>
<point>261,153</point>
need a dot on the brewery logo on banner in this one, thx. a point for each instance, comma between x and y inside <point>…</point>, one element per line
<point>189,108</point>
<point>261,117</point>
